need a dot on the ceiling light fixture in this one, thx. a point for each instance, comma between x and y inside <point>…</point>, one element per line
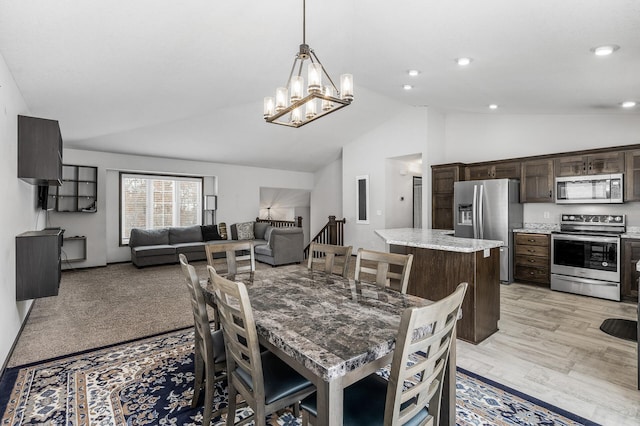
<point>287,106</point>
<point>605,50</point>
<point>493,106</point>
<point>463,62</point>
<point>413,73</point>
<point>407,87</point>
<point>628,104</point>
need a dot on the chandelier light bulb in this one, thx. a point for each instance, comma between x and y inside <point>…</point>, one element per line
<point>296,116</point>
<point>315,77</point>
<point>297,87</point>
<point>346,87</point>
<point>628,104</point>
<point>407,86</point>
<point>327,105</point>
<point>463,62</point>
<point>282,96</point>
<point>310,109</point>
<point>493,106</point>
<point>269,106</point>
<point>414,73</point>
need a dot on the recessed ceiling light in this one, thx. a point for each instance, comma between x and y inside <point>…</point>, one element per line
<point>628,104</point>
<point>413,73</point>
<point>493,106</point>
<point>464,61</point>
<point>605,50</point>
<point>407,87</point>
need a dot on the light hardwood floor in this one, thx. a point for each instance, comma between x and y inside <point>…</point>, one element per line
<point>550,346</point>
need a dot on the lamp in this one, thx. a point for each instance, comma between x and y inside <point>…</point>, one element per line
<point>291,107</point>
<point>211,204</point>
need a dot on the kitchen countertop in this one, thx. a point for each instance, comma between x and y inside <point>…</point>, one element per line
<point>435,239</point>
<point>548,228</point>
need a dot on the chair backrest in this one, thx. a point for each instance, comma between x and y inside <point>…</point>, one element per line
<point>330,253</point>
<point>232,258</point>
<point>239,328</point>
<point>203,339</point>
<point>420,358</point>
<point>383,271</point>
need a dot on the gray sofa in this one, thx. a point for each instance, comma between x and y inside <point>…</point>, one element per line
<point>275,246</point>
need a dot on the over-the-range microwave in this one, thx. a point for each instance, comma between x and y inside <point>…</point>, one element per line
<point>590,189</point>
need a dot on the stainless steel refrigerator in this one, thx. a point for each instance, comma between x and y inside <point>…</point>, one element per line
<point>489,210</point>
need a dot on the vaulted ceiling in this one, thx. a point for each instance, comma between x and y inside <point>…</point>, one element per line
<point>186,79</point>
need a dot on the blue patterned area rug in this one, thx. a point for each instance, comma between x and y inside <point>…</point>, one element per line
<point>149,382</point>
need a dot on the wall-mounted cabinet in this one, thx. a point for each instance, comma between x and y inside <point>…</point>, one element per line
<point>442,179</point>
<point>632,175</point>
<point>493,170</point>
<point>78,192</point>
<point>39,151</point>
<point>592,164</point>
<point>38,264</point>
<point>536,184</point>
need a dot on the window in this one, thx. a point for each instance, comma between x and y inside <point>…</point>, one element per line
<point>150,202</point>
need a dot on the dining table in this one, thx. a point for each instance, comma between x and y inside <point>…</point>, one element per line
<point>332,330</point>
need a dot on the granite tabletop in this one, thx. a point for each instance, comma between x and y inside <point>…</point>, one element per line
<point>436,239</point>
<point>330,324</point>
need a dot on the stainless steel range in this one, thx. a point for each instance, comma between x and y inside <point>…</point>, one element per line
<point>585,255</point>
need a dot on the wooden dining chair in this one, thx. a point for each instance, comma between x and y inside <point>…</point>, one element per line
<point>209,351</point>
<point>331,253</point>
<point>236,260</point>
<point>265,381</point>
<point>413,392</point>
<point>384,263</point>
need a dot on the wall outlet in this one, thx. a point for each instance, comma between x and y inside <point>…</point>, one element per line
<point>546,215</point>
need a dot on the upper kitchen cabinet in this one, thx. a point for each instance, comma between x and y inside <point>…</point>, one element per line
<point>632,175</point>
<point>493,170</point>
<point>39,151</point>
<point>536,185</point>
<point>591,164</point>
<point>442,179</point>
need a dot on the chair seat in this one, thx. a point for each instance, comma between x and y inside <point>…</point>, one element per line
<point>280,380</point>
<point>218,346</point>
<point>364,403</point>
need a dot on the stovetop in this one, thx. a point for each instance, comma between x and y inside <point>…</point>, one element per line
<point>593,223</point>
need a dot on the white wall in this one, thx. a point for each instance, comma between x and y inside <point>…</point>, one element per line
<point>484,137</point>
<point>403,134</point>
<point>399,194</point>
<point>18,212</point>
<point>326,196</point>
<point>238,190</point>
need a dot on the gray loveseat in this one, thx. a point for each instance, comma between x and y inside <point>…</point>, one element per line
<point>275,246</point>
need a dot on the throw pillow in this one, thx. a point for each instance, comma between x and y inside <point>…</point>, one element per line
<point>210,232</point>
<point>259,229</point>
<point>267,233</point>
<point>245,231</point>
<point>222,230</point>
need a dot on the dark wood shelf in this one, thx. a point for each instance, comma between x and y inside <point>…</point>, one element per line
<point>78,192</point>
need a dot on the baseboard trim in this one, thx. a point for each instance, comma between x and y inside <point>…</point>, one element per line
<point>15,341</point>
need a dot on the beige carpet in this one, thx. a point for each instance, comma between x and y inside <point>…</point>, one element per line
<point>102,306</point>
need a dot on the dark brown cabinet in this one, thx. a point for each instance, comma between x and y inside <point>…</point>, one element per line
<point>630,276</point>
<point>532,258</point>
<point>39,151</point>
<point>442,179</point>
<point>493,170</point>
<point>78,192</point>
<point>38,263</point>
<point>632,175</point>
<point>604,162</point>
<point>536,185</point>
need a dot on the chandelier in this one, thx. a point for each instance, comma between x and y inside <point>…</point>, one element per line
<point>291,107</point>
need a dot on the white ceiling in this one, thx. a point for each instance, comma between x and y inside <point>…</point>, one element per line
<point>186,79</point>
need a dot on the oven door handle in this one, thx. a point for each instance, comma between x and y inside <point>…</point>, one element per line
<point>588,238</point>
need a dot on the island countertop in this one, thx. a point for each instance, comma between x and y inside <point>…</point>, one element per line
<point>435,239</point>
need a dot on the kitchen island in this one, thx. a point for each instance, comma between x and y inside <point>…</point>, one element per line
<point>441,262</point>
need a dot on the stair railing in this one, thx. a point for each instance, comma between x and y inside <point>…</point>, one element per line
<point>332,233</point>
